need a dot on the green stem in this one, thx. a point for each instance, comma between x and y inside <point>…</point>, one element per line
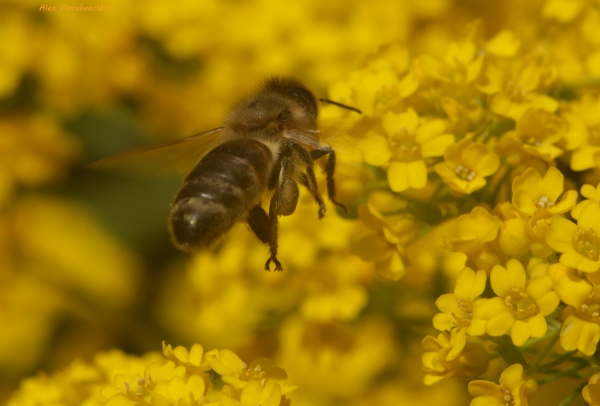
<point>557,361</point>
<point>571,372</point>
<point>437,191</point>
<point>593,363</point>
<point>533,341</point>
<point>481,131</point>
<point>544,352</point>
<point>573,395</point>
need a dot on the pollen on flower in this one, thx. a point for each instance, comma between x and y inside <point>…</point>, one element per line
<point>404,147</point>
<point>586,243</point>
<point>544,203</point>
<point>591,310</point>
<point>521,304</point>
<point>465,173</point>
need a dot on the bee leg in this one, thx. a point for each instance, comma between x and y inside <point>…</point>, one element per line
<point>283,171</point>
<point>310,179</point>
<point>258,220</point>
<point>273,233</point>
<point>329,172</point>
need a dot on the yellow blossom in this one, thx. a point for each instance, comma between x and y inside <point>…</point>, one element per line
<point>520,307</point>
<point>531,192</point>
<point>238,374</point>
<point>583,134</point>
<point>522,90</point>
<point>384,246</point>
<point>578,243</point>
<point>441,361</point>
<point>192,359</point>
<point>562,10</point>
<point>538,226</point>
<point>465,166</point>
<point>256,393</point>
<point>515,240</point>
<point>581,327</point>
<point>406,145</point>
<point>514,389</point>
<point>461,64</point>
<point>457,308</point>
<point>591,392</point>
<point>539,131</point>
<point>593,197</point>
<point>474,235</point>
<point>180,391</point>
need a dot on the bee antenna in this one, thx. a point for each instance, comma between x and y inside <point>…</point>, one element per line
<point>340,105</point>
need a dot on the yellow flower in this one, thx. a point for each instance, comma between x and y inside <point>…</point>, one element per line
<point>441,361</point>
<point>238,374</point>
<point>461,64</point>
<point>474,234</point>
<point>593,197</point>
<point>579,242</point>
<point>336,360</point>
<point>33,150</point>
<point>531,192</point>
<point>385,245</point>
<point>514,389</point>
<point>581,328</point>
<point>179,391</point>
<point>591,392</point>
<point>522,90</point>
<point>334,289</point>
<point>466,164</point>
<point>520,306</point>
<point>256,393</point>
<point>129,388</point>
<point>457,308</point>
<point>583,134</point>
<point>563,11</point>
<point>503,44</point>
<point>192,359</point>
<point>538,226</point>
<point>515,239</point>
<point>538,131</point>
<point>407,144</point>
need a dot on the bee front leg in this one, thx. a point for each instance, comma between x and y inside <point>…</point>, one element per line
<point>329,172</point>
<point>309,180</point>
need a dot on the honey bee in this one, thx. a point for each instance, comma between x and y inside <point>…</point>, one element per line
<point>267,145</point>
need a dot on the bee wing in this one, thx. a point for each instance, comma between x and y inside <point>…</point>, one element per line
<point>317,139</point>
<point>182,154</point>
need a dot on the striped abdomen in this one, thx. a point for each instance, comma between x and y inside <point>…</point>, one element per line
<point>220,190</point>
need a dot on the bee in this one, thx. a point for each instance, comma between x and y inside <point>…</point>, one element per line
<point>266,147</point>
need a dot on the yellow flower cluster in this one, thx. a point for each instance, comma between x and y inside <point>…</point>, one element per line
<point>488,144</point>
<point>462,175</point>
<point>177,377</point>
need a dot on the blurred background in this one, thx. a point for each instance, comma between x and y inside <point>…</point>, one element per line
<point>85,258</point>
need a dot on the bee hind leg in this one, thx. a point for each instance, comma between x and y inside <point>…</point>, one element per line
<point>329,172</point>
<point>283,172</point>
<point>258,220</point>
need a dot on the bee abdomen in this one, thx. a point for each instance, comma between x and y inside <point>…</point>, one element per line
<point>222,188</point>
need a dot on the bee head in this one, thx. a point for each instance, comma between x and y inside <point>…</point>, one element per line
<point>280,105</point>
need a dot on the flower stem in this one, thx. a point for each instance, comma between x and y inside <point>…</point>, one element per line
<point>593,363</point>
<point>571,372</point>
<point>544,352</point>
<point>573,395</point>
<point>557,361</point>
